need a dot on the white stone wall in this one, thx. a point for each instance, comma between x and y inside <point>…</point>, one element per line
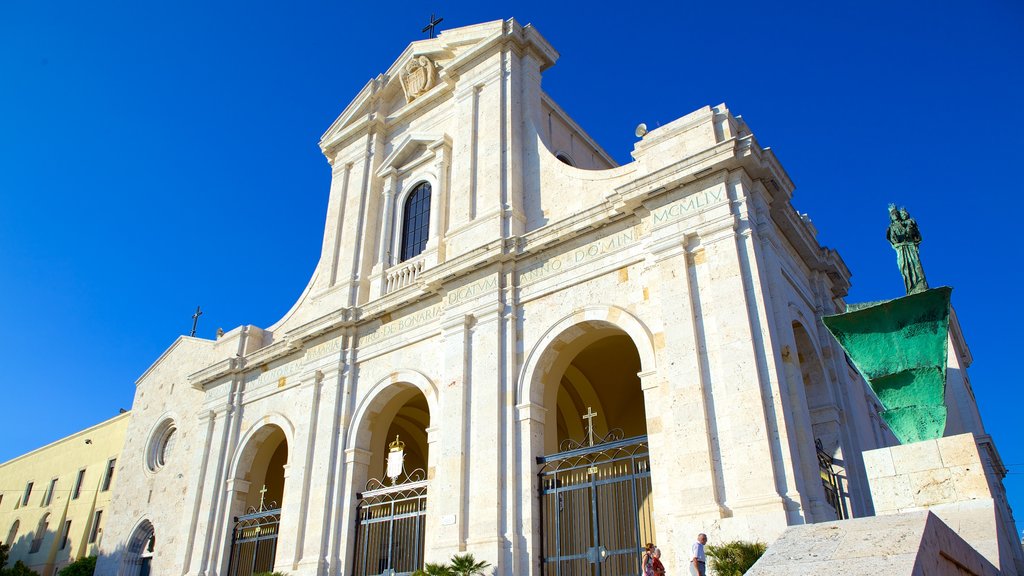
<point>692,250</point>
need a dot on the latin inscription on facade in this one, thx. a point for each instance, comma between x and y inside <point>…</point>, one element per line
<point>413,320</point>
<point>580,255</point>
<point>280,374</point>
<point>688,205</point>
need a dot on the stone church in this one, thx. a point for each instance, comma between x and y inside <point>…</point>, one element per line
<point>511,346</point>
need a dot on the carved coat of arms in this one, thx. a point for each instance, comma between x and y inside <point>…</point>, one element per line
<point>418,77</point>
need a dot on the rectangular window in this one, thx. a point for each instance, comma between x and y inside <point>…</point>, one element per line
<point>95,531</point>
<point>49,492</point>
<point>109,475</point>
<point>77,490</point>
<point>28,493</point>
<point>64,537</point>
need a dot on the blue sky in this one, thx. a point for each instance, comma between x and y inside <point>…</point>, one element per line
<point>156,156</point>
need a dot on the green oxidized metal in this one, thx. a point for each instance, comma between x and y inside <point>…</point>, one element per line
<point>899,346</point>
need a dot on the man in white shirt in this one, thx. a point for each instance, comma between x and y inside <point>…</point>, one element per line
<point>697,558</point>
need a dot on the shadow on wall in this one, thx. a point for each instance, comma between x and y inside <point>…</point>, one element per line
<point>46,555</point>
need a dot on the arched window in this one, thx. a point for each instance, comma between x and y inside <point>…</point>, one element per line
<point>13,533</point>
<point>416,221</point>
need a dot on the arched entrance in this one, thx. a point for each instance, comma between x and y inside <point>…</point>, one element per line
<point>257,509</point>
<point>138,555</point>
<point>818,432</point>
<point>595,475</point>
<point>391,510</point>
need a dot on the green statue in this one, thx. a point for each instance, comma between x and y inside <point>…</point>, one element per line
<point>905,237</point>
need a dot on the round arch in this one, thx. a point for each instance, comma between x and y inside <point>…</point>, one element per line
<point>253,437</point>
<point>132,562</point>
<point>578,330</point>
<point>380,394</point>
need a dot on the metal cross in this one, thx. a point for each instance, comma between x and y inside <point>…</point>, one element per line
<point>429,28</point>
<point>195,320</point>
<point>589,417</point>
<point>263,494</point>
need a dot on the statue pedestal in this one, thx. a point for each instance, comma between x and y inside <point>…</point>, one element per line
<point>955,479</point>
<point>899,346</point>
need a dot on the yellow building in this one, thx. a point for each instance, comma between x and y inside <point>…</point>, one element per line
<point>53,500</point>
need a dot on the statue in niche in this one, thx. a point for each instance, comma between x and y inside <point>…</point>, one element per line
<point>418,77</point>
<point>905,238</point>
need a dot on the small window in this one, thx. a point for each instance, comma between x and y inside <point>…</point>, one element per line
<point>95,531</point>
<point>564,159</point>
<point>416,221</point>
<point>13,533</point>
<point>28,493</point>
<point>48,496</point>
<point>65,535</point>
<point>37,540</point>
<point>109,476</point>
<point>77,490</point>
<point>1,499</point>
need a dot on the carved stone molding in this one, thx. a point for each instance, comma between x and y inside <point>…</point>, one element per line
<point>418,77</point>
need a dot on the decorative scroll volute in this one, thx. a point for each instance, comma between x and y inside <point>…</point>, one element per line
<point>418,76</point>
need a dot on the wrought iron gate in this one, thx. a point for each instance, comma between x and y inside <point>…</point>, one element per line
<point>830,481</point>
<point>596,508</point>
<point>254,542</point>
<point>390,522</point>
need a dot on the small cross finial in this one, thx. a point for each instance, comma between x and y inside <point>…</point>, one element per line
<point>195,320</point>
<point>589,417</point>
<point>429,28</point>
<point>263,495</point>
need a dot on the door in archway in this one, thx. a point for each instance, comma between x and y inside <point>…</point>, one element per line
<point>254,534</point>
<point>595,489</point>
<point>391,511</point>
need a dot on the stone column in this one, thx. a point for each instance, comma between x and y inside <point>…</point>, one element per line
<point>738,378</point>
<point>200,523</point>
<point>450,471</point>
<point>485,443</point>
<point>357,467</point>
<point>530,419</point>
<point>311,534</point>
<point>384,248</point>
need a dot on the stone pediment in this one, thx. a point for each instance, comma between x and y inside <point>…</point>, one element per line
<point>411,151</point>
<point>424,69</point>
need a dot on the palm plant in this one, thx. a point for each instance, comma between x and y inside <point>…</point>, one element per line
<point>734,558</point>
<point>466,565</point>
<point>434,570</point>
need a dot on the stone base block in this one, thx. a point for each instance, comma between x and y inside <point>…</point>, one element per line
<point>911,543</point>
<point>948,477</point>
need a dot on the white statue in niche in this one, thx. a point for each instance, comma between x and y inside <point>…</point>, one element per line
<point>418,77</point>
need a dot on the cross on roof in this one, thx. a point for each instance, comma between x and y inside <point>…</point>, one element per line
<point>429,28</point>
<point>589,417</point>
<point>195,320</point>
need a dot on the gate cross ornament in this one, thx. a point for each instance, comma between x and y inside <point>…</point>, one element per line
<point>263,494</point>
<point>589,417</point>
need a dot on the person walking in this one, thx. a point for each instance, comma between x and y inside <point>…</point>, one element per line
<point>647,561</point>
<point>697,558</point>
<point>656,566</point>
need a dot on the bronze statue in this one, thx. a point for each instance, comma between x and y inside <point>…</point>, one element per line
<point>905,237</point>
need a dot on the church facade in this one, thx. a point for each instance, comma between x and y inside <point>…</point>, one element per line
<point>511,346</point>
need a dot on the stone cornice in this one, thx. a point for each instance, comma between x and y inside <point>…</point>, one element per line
<point>217,371</point>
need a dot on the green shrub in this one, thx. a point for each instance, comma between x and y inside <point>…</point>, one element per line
<point>462,565</point>
<point>734,558</point>
<point>19,569</point>
<point>81,567</point>
<point>434,570</point>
